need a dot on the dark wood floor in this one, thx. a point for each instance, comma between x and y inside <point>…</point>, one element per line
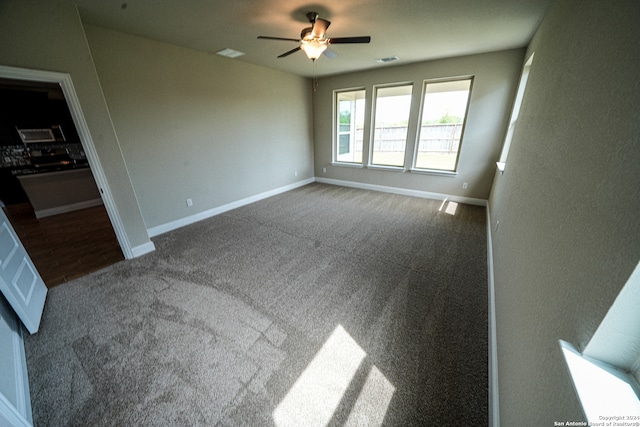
<point>66,246</point>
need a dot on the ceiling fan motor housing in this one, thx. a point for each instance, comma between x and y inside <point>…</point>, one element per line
<point>313,40</point>
<point>306,33</point>
<point>312,16</point>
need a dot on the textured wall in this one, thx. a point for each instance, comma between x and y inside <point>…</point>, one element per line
<point>568,203</point>
<point>495,81</point>
<point>196,125</point>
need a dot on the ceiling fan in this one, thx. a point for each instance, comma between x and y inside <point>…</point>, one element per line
<point>314,41</point>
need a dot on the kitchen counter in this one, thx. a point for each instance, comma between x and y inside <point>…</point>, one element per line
<point>52,193</point>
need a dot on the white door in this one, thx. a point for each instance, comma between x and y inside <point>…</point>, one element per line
<point>20,282</point>
<point>15,403</point>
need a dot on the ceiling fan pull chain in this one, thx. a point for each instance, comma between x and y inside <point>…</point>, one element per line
<point>315,76</point>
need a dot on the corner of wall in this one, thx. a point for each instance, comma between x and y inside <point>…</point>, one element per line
<point>494,398</point>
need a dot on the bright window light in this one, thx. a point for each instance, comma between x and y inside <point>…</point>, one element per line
<point>316,394</point>
<point>444,109</point>
<point>349,128</point>
<point>603,390</point>
<point>448,207</point>
<point>451,208</point>
<point>392,108</point>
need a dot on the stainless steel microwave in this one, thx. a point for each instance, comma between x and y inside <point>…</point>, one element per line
<point>52,134</point>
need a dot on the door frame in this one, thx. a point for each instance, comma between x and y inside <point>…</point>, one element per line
<point>64,79</point>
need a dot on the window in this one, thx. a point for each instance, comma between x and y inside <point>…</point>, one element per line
<point>516,111</point>
<point>444,108</point>
<point>349,126</point>
<point>392,106</point>
<point>605,374</point>
<point>603,390</point>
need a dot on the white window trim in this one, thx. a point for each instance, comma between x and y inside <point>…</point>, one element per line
<point>387,168</point>
<point>335,128</point>
<point>615,347</point>
<point>604,390</point>
<point>515,112</point>
<point>372,121</point>
<point>348,165</point>
<point>434,172</point>
<point>419,129</point>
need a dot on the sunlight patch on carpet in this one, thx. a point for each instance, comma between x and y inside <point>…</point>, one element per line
<point>373,401</point>
<point>448,207</point>
<point>314,397</point>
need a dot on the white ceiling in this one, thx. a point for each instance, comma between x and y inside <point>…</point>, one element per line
<point>413,30</point>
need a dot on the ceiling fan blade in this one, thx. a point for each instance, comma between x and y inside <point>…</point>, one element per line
<point>278,38</point>
<point>320,27</point>
<point>329,54</point>
<point>337,40</point>
<point>289,52</point>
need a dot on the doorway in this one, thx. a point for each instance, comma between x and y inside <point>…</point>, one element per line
<point>40,170</point>
<point>66,246</point>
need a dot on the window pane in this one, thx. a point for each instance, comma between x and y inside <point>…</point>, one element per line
<point>443,112</point>
<point>350,125</point>
<point>344,145</point>
<point>391,121</point>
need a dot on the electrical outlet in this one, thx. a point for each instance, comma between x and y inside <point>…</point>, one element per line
<point>497,225</point>
<point>324,170</point>
<point>295,173</point>
<point>465,185</point>
<point>189,202</point>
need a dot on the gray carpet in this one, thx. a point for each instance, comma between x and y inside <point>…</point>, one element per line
<point>320,306</point>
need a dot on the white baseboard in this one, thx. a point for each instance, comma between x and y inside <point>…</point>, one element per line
<point>142,249</point>
<point>494,402</point>
<point>173,225</point>
<point>404,191</point>
<point>68,208</point>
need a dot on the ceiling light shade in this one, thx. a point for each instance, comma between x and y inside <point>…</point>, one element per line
<point>313,48</point>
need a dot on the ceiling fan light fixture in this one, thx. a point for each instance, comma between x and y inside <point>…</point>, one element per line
<point>313,48</point>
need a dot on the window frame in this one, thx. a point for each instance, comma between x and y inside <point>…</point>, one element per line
<point>336,127</point>
<point>416,148</point>
<point>515,112</point>
<point>614,347</point>
<point>372,124</point>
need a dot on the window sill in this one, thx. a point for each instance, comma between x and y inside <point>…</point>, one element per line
<point>603,390</point>
<point>387,168</point>
<point>348,165</point>
<point>434,172</point>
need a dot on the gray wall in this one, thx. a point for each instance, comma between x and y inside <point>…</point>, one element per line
<point>49,36</point>
<point>200,126</point>
<point>568,203</point>
<point>496,78</point>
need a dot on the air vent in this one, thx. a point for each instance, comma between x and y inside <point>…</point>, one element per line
<point>387,59</point>
<point>229,53</point>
